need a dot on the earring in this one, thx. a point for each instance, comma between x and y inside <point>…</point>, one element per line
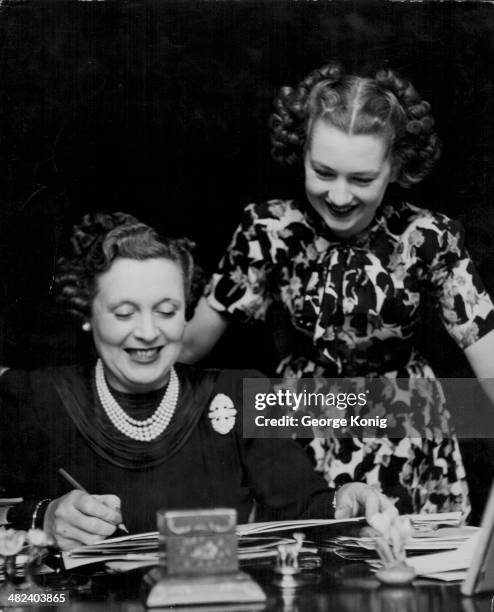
<point>86,326</point>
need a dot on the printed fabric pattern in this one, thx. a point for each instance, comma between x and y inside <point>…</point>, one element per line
<point>351,308</point>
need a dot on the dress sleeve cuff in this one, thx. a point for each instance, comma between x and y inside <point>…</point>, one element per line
<point>28,514</point>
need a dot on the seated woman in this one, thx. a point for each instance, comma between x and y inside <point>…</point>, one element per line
<point>135,428</point>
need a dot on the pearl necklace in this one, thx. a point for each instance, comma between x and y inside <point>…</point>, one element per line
<point>148,429</point>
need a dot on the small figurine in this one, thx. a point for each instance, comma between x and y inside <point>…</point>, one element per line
<point>287,561</point>
<point>287,566</point>
<point>391,548</point>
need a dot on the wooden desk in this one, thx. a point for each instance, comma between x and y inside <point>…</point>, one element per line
<point>335,588</point>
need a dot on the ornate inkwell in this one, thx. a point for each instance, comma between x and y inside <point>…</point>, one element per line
<point>198,561</point>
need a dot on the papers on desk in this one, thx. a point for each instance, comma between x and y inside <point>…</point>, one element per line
<point>274,526</point>
<point>448,538</point>
<point>439,554</point>
<point>447,566</point>
<point>440,549</point>
<point>451,561</point>
<point>143,547</point>
<point>141,550</point>
<point>252,544</point>
<point>433,521</point>
<point>420,522</point>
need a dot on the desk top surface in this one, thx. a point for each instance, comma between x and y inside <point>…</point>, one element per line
<point>335,587</point>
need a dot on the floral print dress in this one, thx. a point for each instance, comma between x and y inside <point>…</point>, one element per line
<point>353,307</point>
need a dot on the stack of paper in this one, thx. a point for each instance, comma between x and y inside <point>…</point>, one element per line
<point>451,565</point>
<point>274,526</point>
<point>433,521</point>
<point>142,550</point>
<point>143,547</point>
<point>422,542</point>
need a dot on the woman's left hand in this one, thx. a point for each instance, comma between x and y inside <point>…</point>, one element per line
<point>359,499</point>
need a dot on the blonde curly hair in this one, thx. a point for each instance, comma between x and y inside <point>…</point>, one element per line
<point>385,104</point>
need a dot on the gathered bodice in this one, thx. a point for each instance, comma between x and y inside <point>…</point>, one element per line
<point>354,304</point>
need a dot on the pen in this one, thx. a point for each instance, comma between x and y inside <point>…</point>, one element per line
<point>77,485</point>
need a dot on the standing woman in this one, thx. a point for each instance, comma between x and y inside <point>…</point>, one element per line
<point>350,265</point>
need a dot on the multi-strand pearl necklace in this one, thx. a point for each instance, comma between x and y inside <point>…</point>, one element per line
<point>148,429</point>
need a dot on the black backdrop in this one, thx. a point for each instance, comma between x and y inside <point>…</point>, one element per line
<point>159,109</point>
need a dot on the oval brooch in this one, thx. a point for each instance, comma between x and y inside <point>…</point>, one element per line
<point>222,413</point>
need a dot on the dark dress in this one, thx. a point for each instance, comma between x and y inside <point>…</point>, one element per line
<point>49,419</point>
<point>353,308</point>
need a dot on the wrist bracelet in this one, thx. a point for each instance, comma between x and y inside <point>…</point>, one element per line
<point>38,515</point>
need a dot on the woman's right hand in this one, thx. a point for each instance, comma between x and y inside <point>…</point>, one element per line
<point>78,518</point>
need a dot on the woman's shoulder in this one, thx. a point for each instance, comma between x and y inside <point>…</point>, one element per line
<point>404,217</point>
<point>422,233</point>
<point>39,383</point>
<point>30,398</point>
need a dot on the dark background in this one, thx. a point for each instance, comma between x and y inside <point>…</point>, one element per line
<point>160,108</point>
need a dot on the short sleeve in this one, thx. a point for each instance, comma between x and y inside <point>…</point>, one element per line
<point>238,287</point>
<point>465,306</point>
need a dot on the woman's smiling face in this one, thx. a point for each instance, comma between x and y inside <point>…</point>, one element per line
<point>346,177</point>
<point>138,322</point>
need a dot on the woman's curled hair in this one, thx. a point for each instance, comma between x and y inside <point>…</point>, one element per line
<point>103,237</point>
<point>385,104</point>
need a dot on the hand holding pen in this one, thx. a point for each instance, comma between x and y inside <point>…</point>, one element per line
<point>80,518</point>
<point>78,486</point>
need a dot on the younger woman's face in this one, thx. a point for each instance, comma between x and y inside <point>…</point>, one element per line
<point>346,177</point>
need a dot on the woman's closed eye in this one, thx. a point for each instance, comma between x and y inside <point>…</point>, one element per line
<point>124,314</point>
<point>167,312</point>
<point>362,180</point>
<point>328,175</point>
<point>325,175</point>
